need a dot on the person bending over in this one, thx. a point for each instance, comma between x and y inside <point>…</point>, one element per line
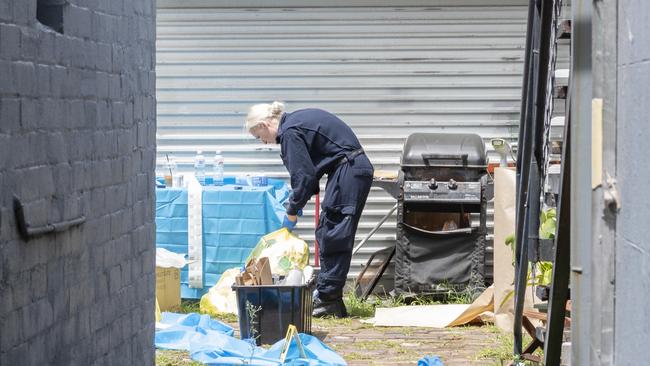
<point>313,143</point>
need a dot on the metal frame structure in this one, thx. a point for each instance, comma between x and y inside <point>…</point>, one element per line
<point>536,109</point>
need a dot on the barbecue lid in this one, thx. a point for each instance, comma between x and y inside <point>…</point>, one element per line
<point>444,150</point>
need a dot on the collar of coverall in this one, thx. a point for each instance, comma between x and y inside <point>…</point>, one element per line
<point>279,134</point>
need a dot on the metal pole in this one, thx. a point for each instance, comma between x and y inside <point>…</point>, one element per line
<point>546,23</point>
<point>523,171</point>
<point>581,222</point>
<point>374,229</point>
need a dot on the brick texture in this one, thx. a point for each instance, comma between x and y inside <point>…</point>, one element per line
<point>77,137</point>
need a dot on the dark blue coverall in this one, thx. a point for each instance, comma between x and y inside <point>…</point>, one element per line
<point>313,143</point>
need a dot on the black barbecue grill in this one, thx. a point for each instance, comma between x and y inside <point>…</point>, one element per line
<point>442,183</point>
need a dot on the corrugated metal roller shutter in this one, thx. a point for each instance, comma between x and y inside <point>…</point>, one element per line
<point>387,68</point>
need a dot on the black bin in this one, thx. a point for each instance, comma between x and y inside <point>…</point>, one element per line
<point>279,306</point>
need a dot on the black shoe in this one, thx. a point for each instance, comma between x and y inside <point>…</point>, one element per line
<point>334,308</point>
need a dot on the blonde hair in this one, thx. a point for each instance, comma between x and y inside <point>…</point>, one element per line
<point>263,112</point>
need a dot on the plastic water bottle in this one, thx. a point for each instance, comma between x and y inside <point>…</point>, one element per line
<point>218,169</point>
<point>199,167</point>
<point>243,180</point>
<point>209,172</point>
<point>259,180</point>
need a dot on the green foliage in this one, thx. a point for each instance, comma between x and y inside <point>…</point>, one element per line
<point>465,296</point>
<point>192,306</point>
<point>547,229</point>
<point>189,306</point>
<point>503,352</point>
<point>543,270</point>
<point>358,308</point>
<point>544,274</point>
<point>174,358</point>
<point>510,240</point>
<point>547,224</point>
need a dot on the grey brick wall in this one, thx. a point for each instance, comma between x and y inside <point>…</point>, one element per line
<point>77,137</point>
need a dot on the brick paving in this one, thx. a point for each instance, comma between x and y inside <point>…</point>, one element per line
<point>364,344</point>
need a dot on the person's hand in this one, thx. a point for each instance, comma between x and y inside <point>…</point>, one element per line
<point>290,222</point>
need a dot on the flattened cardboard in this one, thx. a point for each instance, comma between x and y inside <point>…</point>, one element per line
<point>263,271</point>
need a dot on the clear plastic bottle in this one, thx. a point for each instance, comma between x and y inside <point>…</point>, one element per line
<point>259,180</point>
<point>209,172</point>
<point>160,175</point>
<point>218,169</point>
<point>199,167</point>
<point>170,167</point>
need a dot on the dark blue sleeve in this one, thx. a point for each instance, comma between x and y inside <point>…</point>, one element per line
<point>302,171</point>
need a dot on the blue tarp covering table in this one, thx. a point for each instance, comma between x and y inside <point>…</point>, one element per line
<point>234,219</point>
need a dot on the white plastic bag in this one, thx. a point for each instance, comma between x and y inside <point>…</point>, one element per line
<point>167,259</point>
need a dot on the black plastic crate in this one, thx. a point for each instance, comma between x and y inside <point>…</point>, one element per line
<point>278,306</point>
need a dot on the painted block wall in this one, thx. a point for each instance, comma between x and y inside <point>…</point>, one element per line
<point>77,137</point>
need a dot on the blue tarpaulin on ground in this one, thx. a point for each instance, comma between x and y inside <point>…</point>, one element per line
<point>430,361</point>
<point>235,217</point>
<point>211,342</point>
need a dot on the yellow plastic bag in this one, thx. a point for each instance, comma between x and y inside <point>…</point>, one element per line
<point>284,249</point>
<point>221,298</point>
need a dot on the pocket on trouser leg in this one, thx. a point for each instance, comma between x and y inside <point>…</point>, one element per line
<point>336,230</point>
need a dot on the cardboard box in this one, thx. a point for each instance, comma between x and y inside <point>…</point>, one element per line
<point>168,288</point>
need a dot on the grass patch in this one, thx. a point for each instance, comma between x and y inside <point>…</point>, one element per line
<point>174,358</point>
<point>224,317</point>
<point>503,353</point>
<point>332,322</point>
<point>192,306</point>
<point>374,344</point>
<point>189,306</point>
<point>366,351</point>
<point>358,308</point>
<point>354,356</point>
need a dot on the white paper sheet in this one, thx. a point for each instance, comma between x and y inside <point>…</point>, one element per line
<point>433,316</point>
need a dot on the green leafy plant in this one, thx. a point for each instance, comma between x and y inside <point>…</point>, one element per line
<point>359,308</point>
<point>542,272</point>
<point>547,224</point>
<point>547,229</point>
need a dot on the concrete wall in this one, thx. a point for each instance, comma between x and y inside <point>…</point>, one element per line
<point>633,174</point>
<point>77,137</point>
